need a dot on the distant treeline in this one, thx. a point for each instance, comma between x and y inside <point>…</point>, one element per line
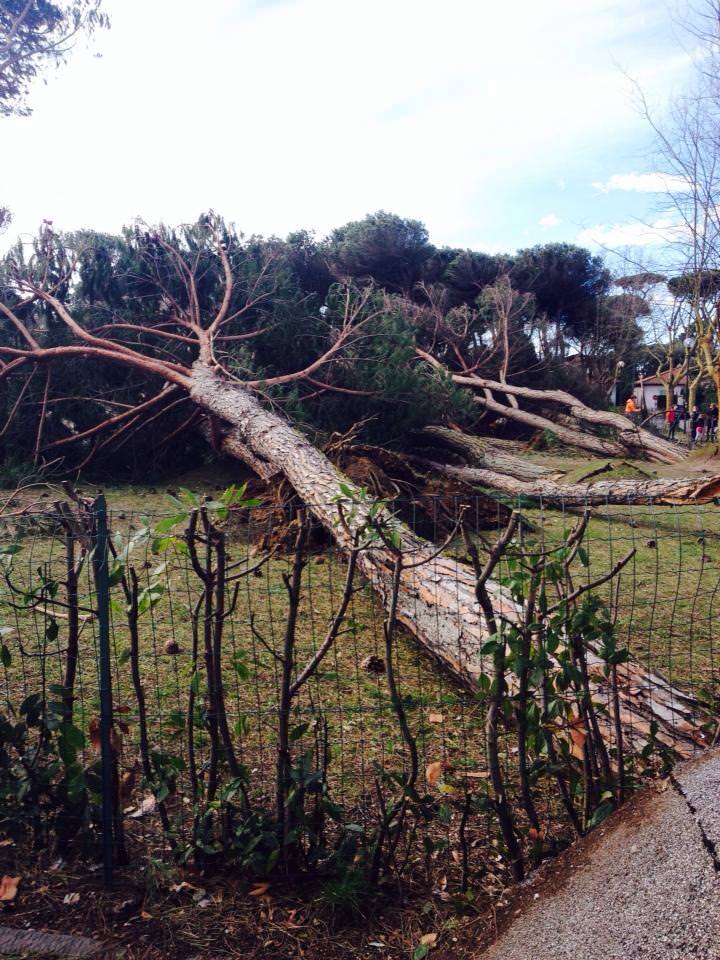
<point>545,316</point>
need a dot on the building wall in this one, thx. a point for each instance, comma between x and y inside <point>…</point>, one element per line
<point>651,391</point>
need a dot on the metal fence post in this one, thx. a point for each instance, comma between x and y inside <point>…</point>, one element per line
<point>102,591</point>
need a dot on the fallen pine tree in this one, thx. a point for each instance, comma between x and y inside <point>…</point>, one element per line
<point>484,453</point>
<point>432,595</point>
<point>625,439</point>
<point>674,490</point>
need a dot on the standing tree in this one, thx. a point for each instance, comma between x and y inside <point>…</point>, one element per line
<point>382,247</point>
<point>688,147</point>
<point>35,35</point>
<point>567,283</point>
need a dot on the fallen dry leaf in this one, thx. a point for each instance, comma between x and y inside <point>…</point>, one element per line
<point>428,939</point>
<point>146,806</point>
<point>127,784</point>
<point>8,888</point>
<point>71,898</point>
<point>94,731</point>
<point>433,772</point>
<point>476,774</point>
<point>578,737</point>
<point>144,915</point>
<point>435,718</point>
<point>179,887</point>
<point>259,889</point>
<point>115,737</point>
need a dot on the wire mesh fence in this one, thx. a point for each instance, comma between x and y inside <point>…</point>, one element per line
<point>281,703</point>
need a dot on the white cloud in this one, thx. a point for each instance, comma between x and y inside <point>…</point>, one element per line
<point>642,183</point>
<point>550,220</point>
<point>662,231</point>
<point>309,113</point>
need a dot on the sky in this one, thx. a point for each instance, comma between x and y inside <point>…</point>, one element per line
<point>498,124</point>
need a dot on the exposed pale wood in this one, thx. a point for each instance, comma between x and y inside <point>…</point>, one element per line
<point>633,438</point>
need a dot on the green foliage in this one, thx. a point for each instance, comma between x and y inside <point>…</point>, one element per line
<point>382,247</point>
<point>37,35</point>
<point>44,790</point>
<point>284,312</point>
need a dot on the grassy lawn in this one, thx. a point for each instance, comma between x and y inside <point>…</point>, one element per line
<point>665,609</point>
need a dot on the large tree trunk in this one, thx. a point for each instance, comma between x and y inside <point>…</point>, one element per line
<point>670,491</point>
<point>484,453</point>
<point>437,602</point>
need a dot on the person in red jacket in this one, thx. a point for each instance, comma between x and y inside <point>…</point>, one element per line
<point>671,421</point>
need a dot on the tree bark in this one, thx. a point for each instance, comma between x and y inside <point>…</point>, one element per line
<point>668,491</point>
<point>484,453</point>
<point>436,601</point>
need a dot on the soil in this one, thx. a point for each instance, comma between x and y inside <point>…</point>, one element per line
<point>182,915</point>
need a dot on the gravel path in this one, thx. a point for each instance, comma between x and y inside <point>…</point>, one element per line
<point>647,885</point>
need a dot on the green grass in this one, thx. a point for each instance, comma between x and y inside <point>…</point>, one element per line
<point>665,614</point>
<point>362,731</point>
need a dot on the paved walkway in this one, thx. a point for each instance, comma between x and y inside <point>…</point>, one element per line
<point>646,885</point>
<point>41,943</point>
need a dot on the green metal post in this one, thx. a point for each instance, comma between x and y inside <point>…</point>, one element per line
<point>102,590</point>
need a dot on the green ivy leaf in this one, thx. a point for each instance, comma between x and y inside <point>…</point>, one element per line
<point>167,523</point>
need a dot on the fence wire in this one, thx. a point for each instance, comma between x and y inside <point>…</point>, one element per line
<point>384,764</point>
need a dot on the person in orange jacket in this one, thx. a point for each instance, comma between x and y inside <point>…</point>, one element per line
<point>631,409</point>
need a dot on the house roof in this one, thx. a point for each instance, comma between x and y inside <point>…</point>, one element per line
<point>660,379</point>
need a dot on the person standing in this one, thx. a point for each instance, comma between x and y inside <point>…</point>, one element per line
<point>631,410</point>
<point>694,416</point>
<point>671,421</point>
<point>712,422</point>
<point>700,428</point>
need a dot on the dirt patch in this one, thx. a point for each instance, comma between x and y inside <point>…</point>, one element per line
<point>184,915</point>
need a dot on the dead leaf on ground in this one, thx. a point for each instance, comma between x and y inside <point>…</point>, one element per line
<point>127,784</point>
<point>147,805</point>
<point>578,737</point>
<point>71,898</point>
<point>429,939</point>
<point>433,772</point>
<point>435,718</point>
<point>8,888</point>
<point>115,737</point>
<point>259,890</point>
<point>94,730</point>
